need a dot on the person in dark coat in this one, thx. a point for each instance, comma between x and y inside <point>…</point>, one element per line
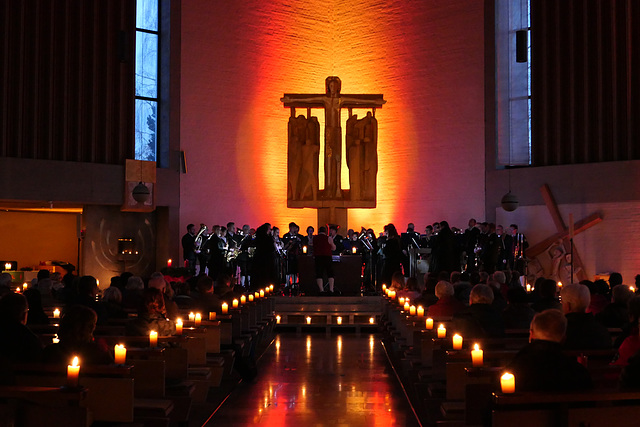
<point>546,291</point>
<point>392,252</point>
<point>616,314</point>
<point>480,319</point>
<point>263,266</point>
<point>446,253</point>
<point>19,344</point>
<point>518,314</point>
<point>541,365</point>
<point>583,330</point>
<point>447,304</point>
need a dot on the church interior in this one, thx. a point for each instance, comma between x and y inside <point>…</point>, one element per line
<point>483,99</point>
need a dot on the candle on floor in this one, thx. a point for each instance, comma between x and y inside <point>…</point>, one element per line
<point>213,315</point>
<point>308,320</point>
<point>178,326</point>
<point>153,339</point>
<point>243,300</point>
<point>339,320</point>
<point>406,306</point>
<point>412,310</point>
<point>192,317</point>
<point>198,319</point>
<point>428,323</point>
<point>225,308</point>
<point>169,261</point>
<point>304,249</point>
<point>442,331</point>
<point>235,303</point>
<point>278,318</point>
<point>56,313</point>
<point>457,342</point>
<point>120,354</point>
<point>508,383</point>
<point>250,297</point>
<point>420,311</point>
<point>477,356</point>
<point>73,372</point>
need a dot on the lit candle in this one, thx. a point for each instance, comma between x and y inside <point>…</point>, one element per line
<point>56,313</point>
<point>153,339</point>
<point>261,293</point>
<point>250,297</point>
<point>632,289</point>
<point>457,342</point>
<point>169,261</point>
<point>178,326</point>
<point>476,356</point>
<point>73,372</point>
<point>7,266</point>
<point>392,294</point>
<point>243,300</point>
<point>278,318</point>
<point>25,286</point>
<point>442,331</point>
<point>384,288</point>
<point>428,323</point>
<point>120,354</point>
<point>401,300</point>
<point>508,383</point>
<point>412,310</point>
<point>225,308</point>
<point>270,288</point>
<point>420,311</point>
<point>198,319</point>
<point>18,290</point>
<point>372,320</point>
<point>235,303</point>
<point>55,339</point>
<point>213,315</point>
<point>304,249</point>
<point>354,250</point>
<point>528,287</point>
<point>560,285</point>
<point>308,320</point>
<point>192,317</point>
<point>257,294</point>
<point>406,306</point>
<point>339,320</point>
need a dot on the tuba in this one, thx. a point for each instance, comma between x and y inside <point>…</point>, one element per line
<point>199,239</point>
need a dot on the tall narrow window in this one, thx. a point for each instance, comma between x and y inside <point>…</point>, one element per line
<point>513,84</point>
<point>147,42</point>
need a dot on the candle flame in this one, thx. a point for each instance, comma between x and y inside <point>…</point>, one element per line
<point>179,321</point>
<point>476,347</point>
<point>441,326</point>
<point>456,336</point>
<point>559,284</point>
<point>507,376</point>
<point>75,361</point>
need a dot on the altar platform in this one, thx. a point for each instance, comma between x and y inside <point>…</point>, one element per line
<point>328,314</point>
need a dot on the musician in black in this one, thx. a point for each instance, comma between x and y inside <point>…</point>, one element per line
<point>188,248</point>
<point>470,240</point>
<point>244,258</point>
<point>407,240</point>
<point>519,243</point>
<point>292,246</point>
<point>263,268</point>
<point>233,241</point>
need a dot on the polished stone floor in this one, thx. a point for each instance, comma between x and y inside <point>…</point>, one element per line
<point>315,380</point>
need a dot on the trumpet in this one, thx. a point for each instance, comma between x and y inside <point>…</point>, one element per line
<point>199,239</point>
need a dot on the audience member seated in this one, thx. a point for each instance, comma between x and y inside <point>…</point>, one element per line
<point>76,339</point>
<point>631,326</point>
<point>546,290</point>
<point>583,330</point>
<point>36,316</point>
<point>599,297</point>
<point>447,305</point>
<point>112,301</point>
<point>411,290</point>
<point>428,297</point>
<point>223,289</point>
<point>183,297</point>
<point>87,293</point>
<point>480,319</point>
<point>499,301</point>
<point>501,279</point>
<point>462,288</point>
<point>151,316</point>
<point>157,281</point>
<point>132,297</point>
<point>616,314</point>
<point>541,364</point>
<point>615,279</point>
<point>518,314</point>
<point>208,300</point>
<point>5,283</point>
<point>19,344</point>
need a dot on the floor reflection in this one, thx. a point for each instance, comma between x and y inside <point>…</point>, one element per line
<point>314,380</point>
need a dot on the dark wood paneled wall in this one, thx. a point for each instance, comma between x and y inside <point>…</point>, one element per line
<point>67,80</point>
<point>585,81</point>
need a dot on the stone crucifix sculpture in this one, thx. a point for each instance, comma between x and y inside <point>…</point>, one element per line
<point>304,149</point>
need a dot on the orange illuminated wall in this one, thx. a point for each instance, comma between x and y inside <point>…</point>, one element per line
<point>240,57</point>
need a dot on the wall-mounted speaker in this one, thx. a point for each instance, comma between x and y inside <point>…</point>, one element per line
<point>522,43</point>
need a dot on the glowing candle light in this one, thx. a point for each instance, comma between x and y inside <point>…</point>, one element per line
<point>25,286</point>
<point>56,313</point>
<point>250,297</point>
<point>428,323</point>
<point>55,339</point>
<point>412,310</point>
<point>235,303</point>
<point>406,306</point>
<point>270,288</point>
<point>420,311</point>
<point>442,331</point>
<point>73,372</point>
<point>508,383</point>
<point>632,289</point>
<point>339,319</point>
<point>153,339</point>
<point>7,266</point>
<point>213,315</point>
<point>243,300</point>
<point>384,288</point>
<point>304,249</point>
<point>120,352</point>
<point>354,250</point>
<point>192,317</point>
<point>257,294</point>
<point>225,308</point>
<point>372,320</point>
<point>178,326</point>
<point>392,294</point>
<point>198,319</point>
<point>477,356</point>
<point>169,261</point>
<point>278,318</point>
<point>261,293</point>
<point>401,300</point>
<point>308,320</point>
<point>457,342</point>
<point>560,285</point>
<point>528,288</point>
<point>18,290</point>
